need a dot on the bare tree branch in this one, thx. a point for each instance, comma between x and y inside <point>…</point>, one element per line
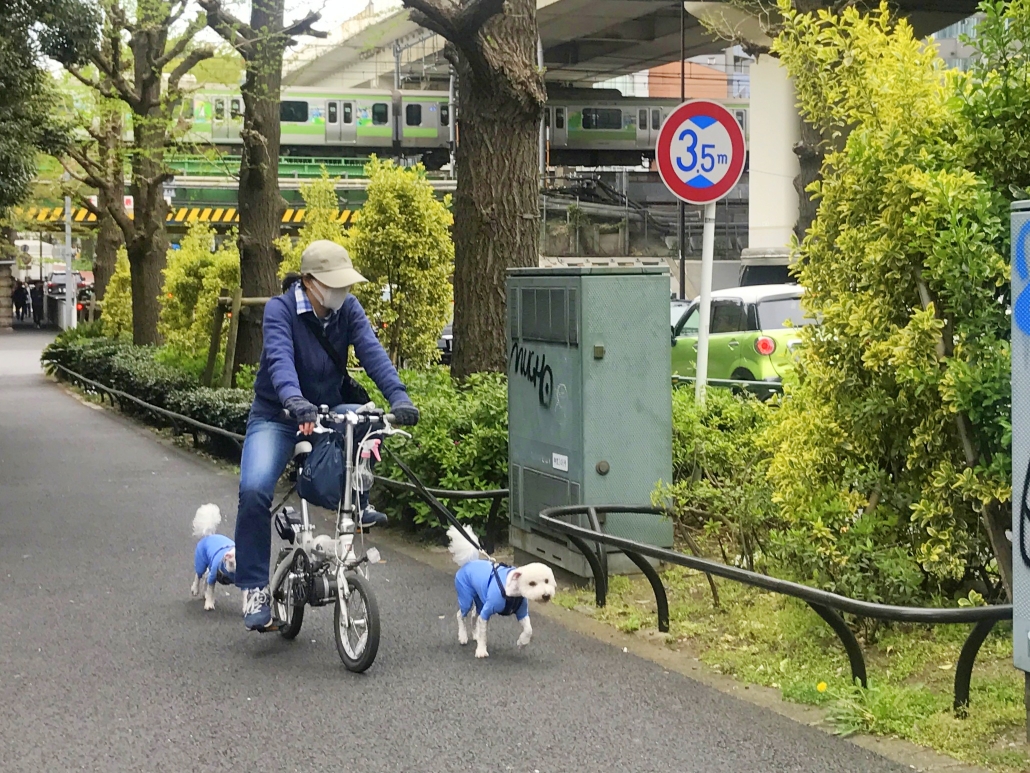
<point>235,32</point>
<point>436,16</point>
<point>111,68</point>
<point>473,16</point>
<point>176,49</point>
<point>303,27</point>
<point>192,59</point>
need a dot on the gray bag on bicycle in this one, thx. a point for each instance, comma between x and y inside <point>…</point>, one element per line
<point>321,478</point>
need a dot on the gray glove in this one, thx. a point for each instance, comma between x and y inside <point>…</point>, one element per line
<point>303,411</point>
<point>405,414</point>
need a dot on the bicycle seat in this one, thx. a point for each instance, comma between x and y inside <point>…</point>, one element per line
<point>302,447</point>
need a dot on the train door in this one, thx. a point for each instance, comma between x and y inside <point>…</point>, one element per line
<point>219,122</point>
<point>560,132</point>
<point>234,125</point>
<point>348,123</point>
<point>643,129</point>
<point>333,121</point>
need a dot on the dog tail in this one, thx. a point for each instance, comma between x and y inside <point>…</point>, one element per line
<point>461,550</point>
<point>206,521</point>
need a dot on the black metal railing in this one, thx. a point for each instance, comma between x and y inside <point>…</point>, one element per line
<point>828,606</point>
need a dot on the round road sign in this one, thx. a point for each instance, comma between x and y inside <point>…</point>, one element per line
<point>700,151</point>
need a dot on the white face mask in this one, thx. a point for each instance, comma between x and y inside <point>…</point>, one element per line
<point>331,297</point>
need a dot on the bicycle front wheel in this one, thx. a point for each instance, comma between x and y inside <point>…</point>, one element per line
<point>357,625</point>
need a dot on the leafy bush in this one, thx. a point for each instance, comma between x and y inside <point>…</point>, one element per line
<point>117,308</point>
<point>403,243</point>
<point>719,471</point>
<point>321,221</point>
<point>461,442</point>
<point>195,274</point>
<point>891,450</point>
<point>224,408</point>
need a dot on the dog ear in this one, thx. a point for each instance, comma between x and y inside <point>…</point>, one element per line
<point>514,575</point>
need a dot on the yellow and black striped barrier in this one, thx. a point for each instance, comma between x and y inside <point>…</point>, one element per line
<point>176,215</point>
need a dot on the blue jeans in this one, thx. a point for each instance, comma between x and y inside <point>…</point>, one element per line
<point>267,449</point>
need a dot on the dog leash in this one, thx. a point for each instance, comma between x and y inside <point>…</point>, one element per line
<point>436,505</point>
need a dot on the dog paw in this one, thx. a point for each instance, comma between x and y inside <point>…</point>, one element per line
<point>482,654</point>
<point>209,605</point>
<point>194,590</point>
<point>463,639</point>
<point>523,640</point>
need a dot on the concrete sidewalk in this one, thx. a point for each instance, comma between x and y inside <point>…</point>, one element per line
<point>109,665</point>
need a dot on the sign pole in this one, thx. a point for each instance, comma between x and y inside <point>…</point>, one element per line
<point>707,259</point>
<point>71,291</point>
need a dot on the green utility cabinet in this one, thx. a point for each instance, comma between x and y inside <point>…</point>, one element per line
<point>589,403</point>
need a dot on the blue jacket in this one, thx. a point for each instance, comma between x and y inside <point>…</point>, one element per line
<point>208,557</point>
<point>475,584</point>
<point>294,364</point>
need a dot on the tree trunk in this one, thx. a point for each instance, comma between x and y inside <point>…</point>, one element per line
<point>495,205</point>
<point>148,247</point>
<point>109,234</point>
<point>109,239</point>
<point>260,204</point>
<point>810,158</point>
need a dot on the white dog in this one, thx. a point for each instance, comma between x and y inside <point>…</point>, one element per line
<point>486,588</point>
<point>215,555</point>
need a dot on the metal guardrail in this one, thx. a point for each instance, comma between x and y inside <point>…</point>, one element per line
<point>827,605</point>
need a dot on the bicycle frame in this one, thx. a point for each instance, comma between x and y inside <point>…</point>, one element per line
<point>347,514</point>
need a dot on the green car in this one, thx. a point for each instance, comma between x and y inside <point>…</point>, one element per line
<point>753,332</point>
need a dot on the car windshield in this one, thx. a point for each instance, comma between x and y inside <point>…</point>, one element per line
<point>776,313</point>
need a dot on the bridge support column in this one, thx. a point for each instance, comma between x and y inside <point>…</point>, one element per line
<point>773,166</point>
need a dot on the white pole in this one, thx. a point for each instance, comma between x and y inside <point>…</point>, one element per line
<point>71,287</point>
<point>707,258</point>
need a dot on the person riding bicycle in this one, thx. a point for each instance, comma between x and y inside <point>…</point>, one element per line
<point>298,374</point>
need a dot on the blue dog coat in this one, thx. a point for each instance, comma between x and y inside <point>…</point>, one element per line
<point>482,583</point>
<point>209,556</point>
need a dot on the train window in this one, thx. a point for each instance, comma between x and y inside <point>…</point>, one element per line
<point>380,114</point>
<point>219,109</point>
<point>642,120</point>
<point>656,120</point>
<point>602,118</point>
<point>348,112</point>
<point>445,114</point>
<point>187,107</point>
<point>234,109</point>
<point>413,115</point>
<point>547,117</point>
<point>559,118</point>
<point>333,113</point>
<point>293,112</point>
<point>741,116</point>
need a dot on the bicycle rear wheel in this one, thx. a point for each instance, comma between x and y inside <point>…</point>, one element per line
<point>357,636</point>
<point>285,606</point>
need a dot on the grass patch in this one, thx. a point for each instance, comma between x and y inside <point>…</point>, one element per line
<point>771,640</point>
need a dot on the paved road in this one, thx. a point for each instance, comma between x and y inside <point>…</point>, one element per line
<point>107,664</point>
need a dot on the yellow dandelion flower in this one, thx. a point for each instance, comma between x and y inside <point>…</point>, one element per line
<point>821,687</point>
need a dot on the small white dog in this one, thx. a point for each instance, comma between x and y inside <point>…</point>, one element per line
<point>486,588</point>
<point>215,556</point>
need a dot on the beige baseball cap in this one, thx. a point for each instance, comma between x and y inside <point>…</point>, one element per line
<point>330,264</point>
